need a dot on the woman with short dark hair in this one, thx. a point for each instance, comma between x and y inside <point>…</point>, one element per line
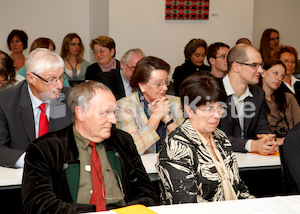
<point>148,114</point>
<point>196,163</point>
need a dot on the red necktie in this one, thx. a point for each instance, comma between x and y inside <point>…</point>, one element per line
<point>97,197</point>
<point>43,124</point>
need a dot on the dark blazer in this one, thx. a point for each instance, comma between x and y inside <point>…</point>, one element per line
<point>256,124</point>
<point>113,80</point>
<point>52,173</point>
<point>17,121</point>
<point>95,68</point>
<point>290,160</point>
<point>297,90</point>
<point>183,71</point>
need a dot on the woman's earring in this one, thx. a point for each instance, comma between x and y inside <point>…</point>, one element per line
<point>143,90</point>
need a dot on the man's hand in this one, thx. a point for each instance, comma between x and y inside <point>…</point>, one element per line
<point>265,145</point>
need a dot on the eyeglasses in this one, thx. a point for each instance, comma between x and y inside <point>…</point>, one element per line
<point>287,61</point>
<point>99,51</point>
<point>210,110</point>
<point>52,81</point>
<point>253,65</point>
<point>222,56</point>
<point>130,67</point>
<point>275,38</point>
<point>117,198</point>
<point>161,84</point>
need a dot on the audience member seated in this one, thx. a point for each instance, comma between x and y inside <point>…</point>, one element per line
<point>290,161</point>
<point>194,52</point>
<point>104,50</point>
<point>148,114</point>
<point>244,41</point>
<point>7,71</point>
<point>42,42</point>
<point>217,59</point>
<point>17,42</point>
<point>72,51</point>
<point>88,166</point>
<point>118,79</point>
<point>288,55</point>
<point>196,163</point>
<point>32,107</point>
<point>245,122</point>
<point>268,43</point>
<point>283,111</point>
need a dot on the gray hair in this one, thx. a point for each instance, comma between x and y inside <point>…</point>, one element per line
<point>41,60</point>
<point>126,57</point>
<point>82,93</point>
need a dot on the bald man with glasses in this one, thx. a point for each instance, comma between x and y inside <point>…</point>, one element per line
<point>245,122</point>
<point>34,107</point>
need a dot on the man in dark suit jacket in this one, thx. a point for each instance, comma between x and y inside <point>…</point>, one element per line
<point>118,79</point>
<point>58,171</point>
<point>245,122</point>
<point>19,111</point>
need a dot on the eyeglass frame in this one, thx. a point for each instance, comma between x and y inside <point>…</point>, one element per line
<point>253,65</point>
<point>161,84</point>
<point>63,77</point>
<point>210,110</point>
<point>223,56</point>
<point>131,68</point>
<point>273,39</point>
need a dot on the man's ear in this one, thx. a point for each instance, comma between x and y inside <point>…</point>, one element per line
<point>212,60</point>
<point>122,66</point>
<point>79,111</point>
<point>30,78</point>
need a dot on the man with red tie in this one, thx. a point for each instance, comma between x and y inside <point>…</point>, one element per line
<point>87,166</point>
<point>34,107</point>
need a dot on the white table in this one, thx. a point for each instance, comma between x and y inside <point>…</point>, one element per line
<point>245,160</point>
<point>271,205</point>
<point>10,178</point>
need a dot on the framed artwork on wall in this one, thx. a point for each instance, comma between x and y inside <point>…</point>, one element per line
<point>187,9</point>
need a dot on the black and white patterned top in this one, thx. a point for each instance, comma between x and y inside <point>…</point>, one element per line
<point>187,173</point>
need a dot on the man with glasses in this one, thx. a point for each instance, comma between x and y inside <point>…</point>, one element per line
<point>118,79</point>
<point>87,166</point>
<point>34,107</point>
<point>217,59</point>
<point>245,122</point>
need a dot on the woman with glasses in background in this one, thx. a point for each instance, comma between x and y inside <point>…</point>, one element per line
<point>72,51</point>
<point>289,56</point>
<point>104,50</point>
<point>268,43</point>
<point>148,114</point>
<point>196,163</point>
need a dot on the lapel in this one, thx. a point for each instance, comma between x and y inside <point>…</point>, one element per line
<point>26,112</point>
<point>119,83</point>
<point>140,114</point>
<point>232,108</point>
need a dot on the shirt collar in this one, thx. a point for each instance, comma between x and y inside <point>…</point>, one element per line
<point>35,102</point>
<point>229,90</point>
<point>124,79</point>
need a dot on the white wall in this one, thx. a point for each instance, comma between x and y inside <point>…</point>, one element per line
<point>282,15</point>
<point>141,23</point>
<point>41,18</point>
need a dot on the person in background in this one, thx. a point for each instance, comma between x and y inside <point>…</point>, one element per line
<point>118,80</point>
<point>217,59</point>
<point>104,50</point>
<point>245,123</point>
<point>88,166</point>
<point>148,114</point>
<point>72,51</point>
<point>268,43</point>
<point>42,42</point>
<point>244,41</point>
<point>194,52</point>
<point>196,163</point>
<point>7,71</point>
<point>289,56</point>
<point>33,107</point>
<point>283,111</point>
<point>17,41</point>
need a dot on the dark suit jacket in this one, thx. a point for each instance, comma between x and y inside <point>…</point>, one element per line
<point>113,80</point>
<point>297,90</point>
<point>290,160</point>
<point>52,173</point>
<point>17,121</point>
<point>256,124</point>
<point>95,68</point>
